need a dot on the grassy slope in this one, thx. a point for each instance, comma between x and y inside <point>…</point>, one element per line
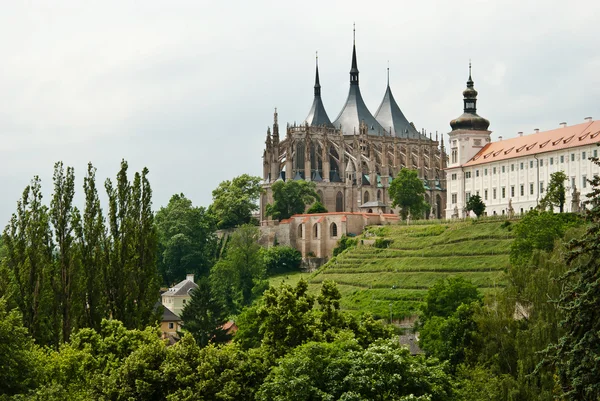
<point>375,280</point>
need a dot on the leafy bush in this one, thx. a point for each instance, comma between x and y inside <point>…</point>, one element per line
<point>343,244</point>
<point>280,259</point>
<point>383,242</point>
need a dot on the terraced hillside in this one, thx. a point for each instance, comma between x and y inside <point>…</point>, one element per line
<point>396,278</point>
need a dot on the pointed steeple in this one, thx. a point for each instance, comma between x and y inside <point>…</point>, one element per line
<point>317,83</point>
<point>354,68</point>
<point>317,116</point>
<point>355,112</point>
<point>389,115</point>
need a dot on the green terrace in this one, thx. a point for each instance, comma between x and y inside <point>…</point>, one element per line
<point>395,279</point>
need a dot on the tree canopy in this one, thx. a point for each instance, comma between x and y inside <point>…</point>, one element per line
<point>290,198</point>
<point>475,205</point>
<point>407,192</point>
<point>235,200</point>
<point>186,239</point>
<point>555,193</point>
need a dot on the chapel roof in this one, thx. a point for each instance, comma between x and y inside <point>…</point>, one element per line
<point>355,111</point>
<point>567,137</point>
<point>317,116</point>
<point>391,117</point>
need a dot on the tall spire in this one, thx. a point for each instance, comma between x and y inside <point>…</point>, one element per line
<point>317,116</point>
<point>317,83</point>
<point>388,73</point>
<point>354,69</point>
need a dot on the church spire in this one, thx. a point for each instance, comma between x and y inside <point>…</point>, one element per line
<point>317,83</point>
<point>354,69</point>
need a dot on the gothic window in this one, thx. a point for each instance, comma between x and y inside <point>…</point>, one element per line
<point>339,202</point>
<point>333,230</point>
<point>366,197</point>
<point>316,231</point>
<point>300,231</point>
<point>379,194</point>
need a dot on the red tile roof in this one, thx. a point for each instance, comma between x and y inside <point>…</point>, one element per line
<point>540,142</point>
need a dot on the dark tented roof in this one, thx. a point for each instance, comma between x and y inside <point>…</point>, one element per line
<point>391,117</point>
<point>354,112</point>
<point>317,116</point>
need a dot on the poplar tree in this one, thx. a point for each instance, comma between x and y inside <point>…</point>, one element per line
<point>91,238</point>
<point>66,278</point>
<point>28,242</point>
<point>131,276</point>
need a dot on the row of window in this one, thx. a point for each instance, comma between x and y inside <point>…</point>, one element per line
<point>333,231</point>
<point>584,183</point>
<point>521,165</point>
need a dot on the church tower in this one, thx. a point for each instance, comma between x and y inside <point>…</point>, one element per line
<point>469,131</point>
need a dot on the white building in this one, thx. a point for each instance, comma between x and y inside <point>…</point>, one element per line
<point>515,172</point>
<point>177,297</point>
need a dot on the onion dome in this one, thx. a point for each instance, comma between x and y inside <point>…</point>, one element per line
<point>390,116</point>
<point>469,120</point>
<point>355,111</point>
<point>317,116</point>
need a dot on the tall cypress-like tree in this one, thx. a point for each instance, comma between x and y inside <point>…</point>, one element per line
<point>28,242</point>
<point>67,269</point>
<point>131,276</point>
<point>91,237</point>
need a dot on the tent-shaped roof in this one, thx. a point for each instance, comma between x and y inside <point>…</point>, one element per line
<point>391,117</point>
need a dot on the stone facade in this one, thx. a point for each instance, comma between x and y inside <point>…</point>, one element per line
<point>316,235</point>
<point>353,160</point>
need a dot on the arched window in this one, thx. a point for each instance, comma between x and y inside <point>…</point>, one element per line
<point>333,230</point>
<point>366,197</point>
<point>339,202</point>
<point>316,231</point>
<point>370,211</point>
<point>300,231</point>
<point>379,194</point>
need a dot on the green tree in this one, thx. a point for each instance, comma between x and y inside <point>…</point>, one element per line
<point>28,260</point>
<point>281,259</point>
<point>342,370</point>
<point>131,276</point>
<point>475,205</point>
<point>91,238</point>
<point>66,278</point>
<point>186,239</point>
<point>290,198</point>
<point>17,353</point>
<point>238,278</point>
<point>446,295</point>
<point>407,191</point>
<point>235,200</point>
<point>555,194</point>
<point>287,318</point>
<point>316,207</point>
<point>577,352</point>
<point>538,231</point>
<point>204,315</point>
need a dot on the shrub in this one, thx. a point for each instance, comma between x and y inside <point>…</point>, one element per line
<point>281,259</point>
<point>343,244</point>
<point>383,242</point>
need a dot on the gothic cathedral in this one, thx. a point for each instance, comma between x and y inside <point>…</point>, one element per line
<point>353,159</point>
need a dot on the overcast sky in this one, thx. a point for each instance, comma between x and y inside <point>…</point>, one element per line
<point>188,88</point>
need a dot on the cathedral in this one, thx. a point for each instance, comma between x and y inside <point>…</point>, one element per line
<point>353,159</point>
